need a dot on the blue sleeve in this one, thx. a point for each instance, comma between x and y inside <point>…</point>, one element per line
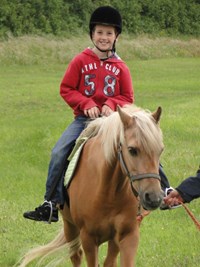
<point>189,189</point>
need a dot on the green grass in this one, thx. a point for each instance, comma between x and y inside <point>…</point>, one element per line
<point>32,117</point>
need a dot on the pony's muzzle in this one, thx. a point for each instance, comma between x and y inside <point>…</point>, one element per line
<point>152,200</point>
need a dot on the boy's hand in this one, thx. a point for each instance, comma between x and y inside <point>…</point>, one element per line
<point>92,113</point>
<point>106,111</point>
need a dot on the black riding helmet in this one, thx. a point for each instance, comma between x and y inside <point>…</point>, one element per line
<point>106,15</point>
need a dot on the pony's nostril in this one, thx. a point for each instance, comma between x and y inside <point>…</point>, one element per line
<point>147,197</point>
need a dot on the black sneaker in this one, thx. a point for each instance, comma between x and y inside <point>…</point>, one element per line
<point>164,206</point>
<point>47,212</point>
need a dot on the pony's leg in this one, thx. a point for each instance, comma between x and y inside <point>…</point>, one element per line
<point>72,237</point>
<point>111,258</point>
<point>90,249</point>
<point>76,259</point>
<point>128,249</point>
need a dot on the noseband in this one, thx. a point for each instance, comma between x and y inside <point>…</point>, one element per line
<point>137,176</point>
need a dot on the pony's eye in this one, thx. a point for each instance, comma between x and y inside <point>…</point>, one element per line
<point>133,151</point>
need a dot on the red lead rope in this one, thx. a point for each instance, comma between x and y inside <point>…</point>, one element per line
<point>145,213</point>
<point>191,215</point>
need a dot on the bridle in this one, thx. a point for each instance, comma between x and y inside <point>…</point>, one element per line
<point>132,177</point>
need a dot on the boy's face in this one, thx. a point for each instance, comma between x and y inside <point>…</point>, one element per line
<point>104,36</point>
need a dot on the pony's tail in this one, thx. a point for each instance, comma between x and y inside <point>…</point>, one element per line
<point>56,245</point>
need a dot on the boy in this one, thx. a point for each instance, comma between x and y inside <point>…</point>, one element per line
<point>96,81</point>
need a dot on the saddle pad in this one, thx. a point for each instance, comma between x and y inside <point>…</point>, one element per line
<point>73,160</point>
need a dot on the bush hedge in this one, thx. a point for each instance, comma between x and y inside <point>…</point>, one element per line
<point>63,17</point>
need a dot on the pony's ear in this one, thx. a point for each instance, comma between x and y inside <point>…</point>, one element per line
<point>157,114</point>
<point>125,118</point>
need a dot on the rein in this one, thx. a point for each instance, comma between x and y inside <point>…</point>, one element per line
<point>131,176</point>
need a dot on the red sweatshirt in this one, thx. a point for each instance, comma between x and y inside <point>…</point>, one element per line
<point>90,82</point>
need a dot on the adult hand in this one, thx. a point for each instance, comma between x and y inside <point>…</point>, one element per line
<point>106,111</point>
<point>173,198</point>
<point>92,113</point>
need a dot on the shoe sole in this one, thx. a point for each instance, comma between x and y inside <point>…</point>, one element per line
<point>53,219</point>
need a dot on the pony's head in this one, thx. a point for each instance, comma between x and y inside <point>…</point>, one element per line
<point>136,134</point>
<point>141,147</point>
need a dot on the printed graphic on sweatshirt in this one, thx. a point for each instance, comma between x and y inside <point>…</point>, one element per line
<point>107,66</point>
<point>109,85</point>
<point>109,79</point>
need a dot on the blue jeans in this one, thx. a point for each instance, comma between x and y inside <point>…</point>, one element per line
<point>58,163</point>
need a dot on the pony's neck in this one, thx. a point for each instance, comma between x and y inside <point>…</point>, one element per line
<point>113,180</point>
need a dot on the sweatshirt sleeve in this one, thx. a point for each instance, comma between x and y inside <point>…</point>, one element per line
<point>69,88</point>
<point>126,91</point>
<point>189,189</point>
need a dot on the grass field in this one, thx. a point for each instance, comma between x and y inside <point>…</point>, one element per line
<point>32,118</point>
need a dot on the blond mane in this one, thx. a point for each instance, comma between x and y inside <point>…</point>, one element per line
<point>111,131</point>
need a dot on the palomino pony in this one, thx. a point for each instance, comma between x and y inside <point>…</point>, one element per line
<point>117,173</point>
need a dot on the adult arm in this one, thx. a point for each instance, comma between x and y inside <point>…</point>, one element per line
<point>188,190</point>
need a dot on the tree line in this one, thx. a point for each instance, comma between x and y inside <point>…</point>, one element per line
<point>64,17</point>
